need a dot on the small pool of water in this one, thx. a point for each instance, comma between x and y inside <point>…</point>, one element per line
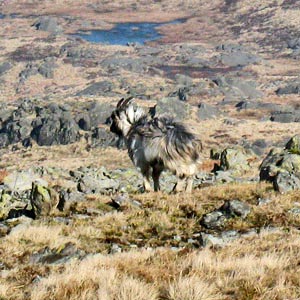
<point>124,33</point>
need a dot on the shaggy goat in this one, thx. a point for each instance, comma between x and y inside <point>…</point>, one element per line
<point>156,144</point>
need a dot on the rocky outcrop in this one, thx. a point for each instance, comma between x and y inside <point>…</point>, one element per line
<point>55,124</point>
<point>282,166</point>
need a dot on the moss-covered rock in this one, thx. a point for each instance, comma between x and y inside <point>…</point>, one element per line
<point>293,145</point>
<point>43,199</point>
<point>278,161</point>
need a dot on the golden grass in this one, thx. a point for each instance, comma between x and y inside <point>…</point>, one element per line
<point>89,280</point>
<point>259,266</point>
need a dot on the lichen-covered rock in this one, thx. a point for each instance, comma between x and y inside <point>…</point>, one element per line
<point>285,182</point>
<point>5,205</point>
<point>235,159</point>
<point>43,199</point>
<point>91,181</point>
<point>22,181</point>
<point>278,160</point>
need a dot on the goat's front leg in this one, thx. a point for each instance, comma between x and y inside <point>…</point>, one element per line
<point>155,176</point>
<point>179,186</point>
<point>146,180</point>
<point>189,184</point>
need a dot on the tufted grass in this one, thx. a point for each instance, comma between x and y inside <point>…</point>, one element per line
<point>258,266</point>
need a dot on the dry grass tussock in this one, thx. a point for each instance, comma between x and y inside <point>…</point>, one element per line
<point>234,272</point>
<point>260,266</point>
<point>89,279</point>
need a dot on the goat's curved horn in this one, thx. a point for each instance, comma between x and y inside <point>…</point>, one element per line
<point>120,102</point>
<point>127,101</point>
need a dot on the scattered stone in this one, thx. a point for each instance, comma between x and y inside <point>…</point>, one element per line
<point>263,201</point>
<point>46,23</point>
<point>224,176</point>
<point>69,199</point>
<point>28,53</point>
<point>214,220</point>
<point>55,129</point>
<point>295,211</point>
<point>235,89</point>
<point>183,80</point>
<point>46,69</point>
<point>56,256</point>
<point>99,113</point>
<point>230,209</point>
<point>122,200</point>
<point>292,88</point>
<point>115,248</point>
<point>206,111</point>
<point>285,116</point>
<point>103,138</point>
<point>209,240</point>
<point>235,208</point>
<point>259,105</point>
<point>4,67</point>
<point>102,88</point>
<point>294,44</point>
<point>173,108</point>
<point>239,59</point>
<point>285,182</point>
<point>91,181</point>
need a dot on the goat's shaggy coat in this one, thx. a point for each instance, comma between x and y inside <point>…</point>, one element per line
<point>155,144</point>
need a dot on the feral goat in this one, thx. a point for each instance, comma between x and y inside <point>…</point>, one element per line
<point>156,144</point>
